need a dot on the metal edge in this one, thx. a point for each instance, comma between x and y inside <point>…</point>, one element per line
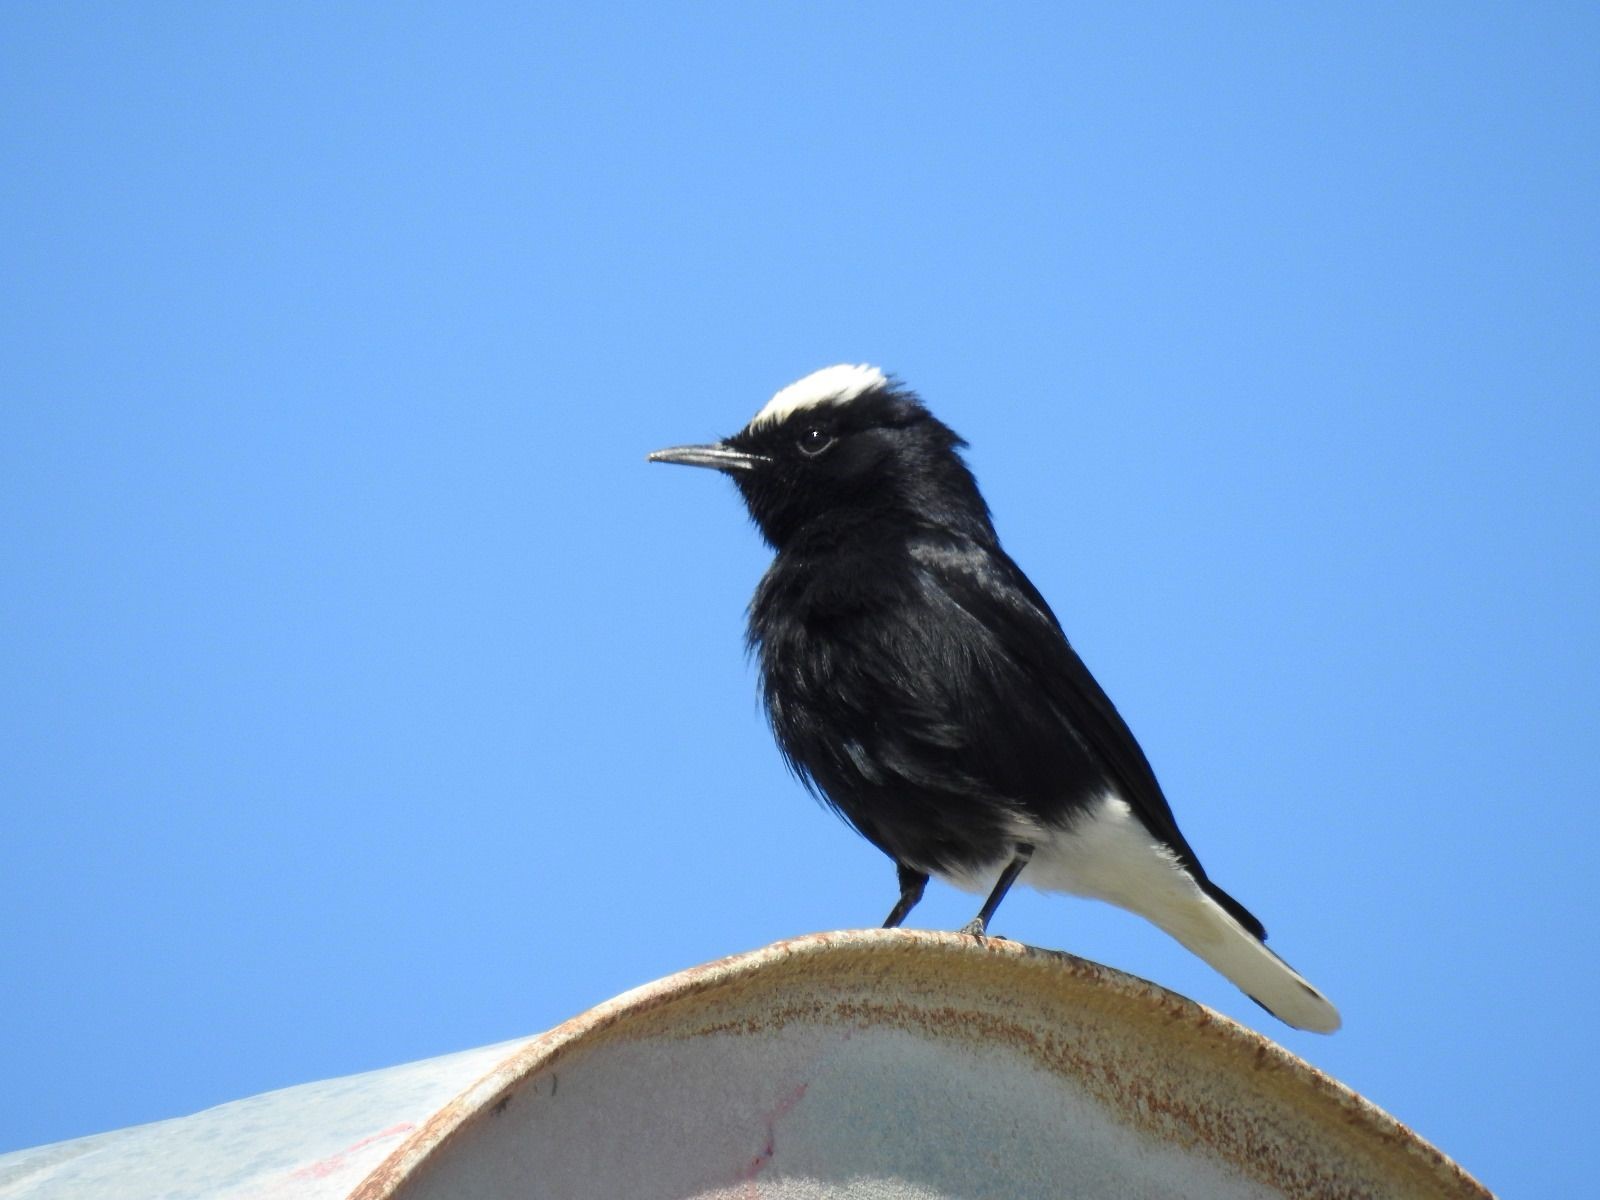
<point>1207,1030</point>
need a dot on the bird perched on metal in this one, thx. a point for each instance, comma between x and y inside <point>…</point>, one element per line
<point>918,682</point>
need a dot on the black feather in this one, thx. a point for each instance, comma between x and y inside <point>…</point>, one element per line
<point>915,679</point>
<point>919,684</point>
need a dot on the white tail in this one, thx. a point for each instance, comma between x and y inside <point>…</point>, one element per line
<point>1209,931</point>
<point>1108,853</point>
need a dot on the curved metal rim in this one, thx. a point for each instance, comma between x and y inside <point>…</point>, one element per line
<point>1208,1026</point>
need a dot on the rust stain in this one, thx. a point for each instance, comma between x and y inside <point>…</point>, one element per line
<point>1167,1066</point>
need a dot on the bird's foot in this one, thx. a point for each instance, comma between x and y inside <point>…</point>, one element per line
<point>977,927</point>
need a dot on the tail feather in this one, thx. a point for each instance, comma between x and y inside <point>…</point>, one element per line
<point>1213,933</point>
<point>1237,911</point>
<point>1108,852</point>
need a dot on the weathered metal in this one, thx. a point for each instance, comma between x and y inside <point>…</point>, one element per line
<point>869,1064</point>
<point>901,1064</point>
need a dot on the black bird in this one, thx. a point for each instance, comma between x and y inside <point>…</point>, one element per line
<point>918,682</point>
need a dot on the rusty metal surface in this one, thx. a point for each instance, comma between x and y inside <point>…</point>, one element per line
<point>908,1064</point>
<point>875,1065</point>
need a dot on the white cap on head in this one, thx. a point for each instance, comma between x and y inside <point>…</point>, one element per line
<point>832,385</point>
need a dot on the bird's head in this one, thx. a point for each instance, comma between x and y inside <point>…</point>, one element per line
<point>845,446</point>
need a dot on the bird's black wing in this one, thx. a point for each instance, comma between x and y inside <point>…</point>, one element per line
<point>1007,611</point>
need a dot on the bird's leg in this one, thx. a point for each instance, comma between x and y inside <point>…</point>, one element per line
<point>911,885</point>
<point>979,924</point>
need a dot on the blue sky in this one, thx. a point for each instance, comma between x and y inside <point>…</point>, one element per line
<point>364,696</point>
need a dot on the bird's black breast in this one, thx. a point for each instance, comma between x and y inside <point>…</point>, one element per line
<point>902,681</point>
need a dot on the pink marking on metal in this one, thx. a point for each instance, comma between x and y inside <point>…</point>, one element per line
<point>759,1163</point>
<point>324,1167</point>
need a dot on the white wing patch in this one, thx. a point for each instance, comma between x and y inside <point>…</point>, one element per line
<point>831,385</point>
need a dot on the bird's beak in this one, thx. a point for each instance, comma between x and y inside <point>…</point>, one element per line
<point>717,455</point>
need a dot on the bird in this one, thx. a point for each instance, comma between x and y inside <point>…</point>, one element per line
<point>918,683</point>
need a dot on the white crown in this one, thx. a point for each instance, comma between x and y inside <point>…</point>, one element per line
<point>831,385</point>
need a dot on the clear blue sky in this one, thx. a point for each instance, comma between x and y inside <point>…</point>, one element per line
<point>365,696</point>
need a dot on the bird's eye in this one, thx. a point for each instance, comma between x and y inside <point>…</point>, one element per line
<point>814,441</point>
